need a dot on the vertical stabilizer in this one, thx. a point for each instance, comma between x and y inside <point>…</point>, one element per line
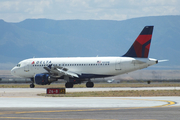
<point>141,46</point>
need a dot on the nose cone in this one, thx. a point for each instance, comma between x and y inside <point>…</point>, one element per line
<point>13,71</point>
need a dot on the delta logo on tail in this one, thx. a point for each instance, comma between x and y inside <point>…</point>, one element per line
<point>141,46</point>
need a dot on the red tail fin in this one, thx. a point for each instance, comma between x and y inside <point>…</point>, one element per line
<point>141,46</point>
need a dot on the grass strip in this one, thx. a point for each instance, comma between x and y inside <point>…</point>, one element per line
<point>132,93</point>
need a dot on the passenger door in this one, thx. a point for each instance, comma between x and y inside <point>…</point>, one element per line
<point>118,64</point>
<point>26,68</point>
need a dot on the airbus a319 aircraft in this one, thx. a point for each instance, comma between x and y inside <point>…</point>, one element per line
<point>74,70</point>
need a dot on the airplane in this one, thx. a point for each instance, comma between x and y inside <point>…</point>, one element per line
<point>75,70</point>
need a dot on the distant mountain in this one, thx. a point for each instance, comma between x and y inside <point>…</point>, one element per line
<point>79,38</point>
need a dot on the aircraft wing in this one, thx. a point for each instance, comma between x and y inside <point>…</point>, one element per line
<point>59,71</point>
<point>47,69</point>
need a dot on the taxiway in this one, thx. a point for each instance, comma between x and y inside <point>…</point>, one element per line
<point>22,103</point>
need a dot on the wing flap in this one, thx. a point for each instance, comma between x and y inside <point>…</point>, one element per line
<point>60,71</point>
<point>67,73</point>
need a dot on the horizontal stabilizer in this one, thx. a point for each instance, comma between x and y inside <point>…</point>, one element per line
<point>162,60</point>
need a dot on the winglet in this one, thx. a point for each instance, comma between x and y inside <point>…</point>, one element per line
<point>141,46</point>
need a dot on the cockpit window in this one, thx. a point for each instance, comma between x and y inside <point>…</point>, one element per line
<point>18,65</point>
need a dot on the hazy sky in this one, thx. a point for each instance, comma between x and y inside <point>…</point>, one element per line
<point>18,10</point>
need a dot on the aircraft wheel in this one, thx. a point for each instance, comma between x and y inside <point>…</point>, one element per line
<point>148,82</point>
<point>69,85</point>
<point>89,84</point>
<point>32,85</point>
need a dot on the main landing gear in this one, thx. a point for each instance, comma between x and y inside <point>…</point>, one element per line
<point>149,82</point>
<point>89,84</point>
<point>69,85</point>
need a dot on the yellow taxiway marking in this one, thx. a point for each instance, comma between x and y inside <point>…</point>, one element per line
<point>143,119</point>
<point>168,103</point>
<point>29,118</point>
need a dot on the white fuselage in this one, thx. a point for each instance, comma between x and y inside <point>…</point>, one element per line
<point>100,66</point>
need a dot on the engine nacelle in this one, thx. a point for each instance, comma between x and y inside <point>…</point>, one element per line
<point>43,79</point>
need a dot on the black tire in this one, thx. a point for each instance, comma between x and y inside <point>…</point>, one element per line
<point>148,82</point>
<point>32,85</point>
<point>69,85</point>
<point>89,84</point>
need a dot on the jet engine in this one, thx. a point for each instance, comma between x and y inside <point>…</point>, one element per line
<point>44,79</point>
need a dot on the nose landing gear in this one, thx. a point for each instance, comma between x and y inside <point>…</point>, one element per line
<point>32,84</point>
